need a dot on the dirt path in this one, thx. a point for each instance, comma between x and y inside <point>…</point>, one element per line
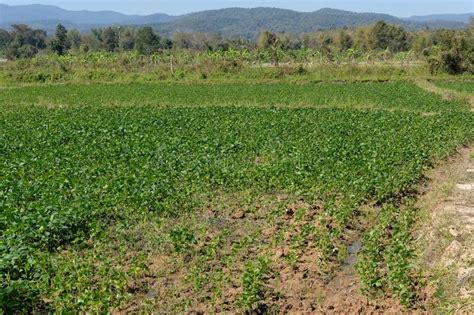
<point>446,94</point>
<point>447,241</point>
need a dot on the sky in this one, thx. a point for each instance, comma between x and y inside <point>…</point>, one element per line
<point>401,8</point>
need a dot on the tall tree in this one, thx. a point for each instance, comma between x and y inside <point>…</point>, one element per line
<point>344,40</point>
<point>146,41</point>
<point>270,42</point>
<point>74,38</point>
<point>127,39</point>
<point>24,35</point>
<point>59,44</point>
<point>97,33</point>
<point>110,39</point>
<point>391,37</point>
<point>25,42</point>
<point>5,39</point>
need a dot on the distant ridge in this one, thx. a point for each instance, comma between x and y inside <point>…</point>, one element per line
<point>231,22</point>
<point>462,18</point>
<point>38,12</point>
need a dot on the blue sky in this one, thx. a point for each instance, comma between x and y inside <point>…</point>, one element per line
<point>395,7</point>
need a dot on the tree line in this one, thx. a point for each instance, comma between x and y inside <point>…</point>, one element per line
<point>449,51</point>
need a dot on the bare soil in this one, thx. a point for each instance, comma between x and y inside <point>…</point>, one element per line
<point>207,278</point>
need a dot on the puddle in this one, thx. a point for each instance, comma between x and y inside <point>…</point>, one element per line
<point>353,250</point>
<point>218,222</point>
<point>151,294</point>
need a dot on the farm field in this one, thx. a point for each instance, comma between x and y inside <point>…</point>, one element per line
<point>215,197</point>
<point>462,86</point>
<point>391,95</point>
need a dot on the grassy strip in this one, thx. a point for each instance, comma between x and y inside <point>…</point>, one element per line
<point>461,86</point>
<point>107,68</point>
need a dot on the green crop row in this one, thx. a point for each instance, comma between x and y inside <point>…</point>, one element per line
<point>385,263</point>
<point>397,95</point>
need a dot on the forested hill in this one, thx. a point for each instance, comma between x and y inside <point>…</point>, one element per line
<point>227,22</point>
<point>250,22</point>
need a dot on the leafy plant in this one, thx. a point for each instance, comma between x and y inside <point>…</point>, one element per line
<point>253,283</point>
<point>182,239</point>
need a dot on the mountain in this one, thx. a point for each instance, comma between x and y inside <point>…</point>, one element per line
<point>37,13</point>
<point>231,22</point>
<point>462,18</point>
<point>250,22</point>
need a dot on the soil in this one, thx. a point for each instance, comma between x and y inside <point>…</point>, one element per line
<point>298,282</point>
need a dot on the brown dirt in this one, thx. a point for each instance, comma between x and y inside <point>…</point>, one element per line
<point>299,281</point>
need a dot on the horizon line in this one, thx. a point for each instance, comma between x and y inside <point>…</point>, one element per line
<point>225,8</point>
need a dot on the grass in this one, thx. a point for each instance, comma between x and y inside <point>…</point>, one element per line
<point>107,190</point>
<point>462,86</point>
<point>440,219</point>
<point>232,66</point>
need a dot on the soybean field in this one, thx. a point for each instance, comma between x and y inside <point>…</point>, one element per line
<point>177,197</point>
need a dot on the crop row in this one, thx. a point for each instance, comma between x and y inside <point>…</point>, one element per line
<point>396,95</point>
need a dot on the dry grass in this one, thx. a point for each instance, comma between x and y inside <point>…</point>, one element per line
<point>446,234</point>
<point>446,94</point>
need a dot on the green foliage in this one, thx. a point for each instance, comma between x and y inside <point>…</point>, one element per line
<point>453,52</point>
<point>447,51</point>
<point>253,283</point>
<point>181,239</point>
<point>75,160</point>
<point>59,44</point>
<point>462,86</point>
<point>74,38</point>
<point>110,38</point>
<point>5,39</point>
<point>385,263</point>
<point>393,38</point>
<point>146,41</point>
<point>364,95</point>
<point>344,41</point>
<point>452,62</point>
<point>268,40</point>
<point>25,42</point>
<point>127,39</point>
<point>16,51</point>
